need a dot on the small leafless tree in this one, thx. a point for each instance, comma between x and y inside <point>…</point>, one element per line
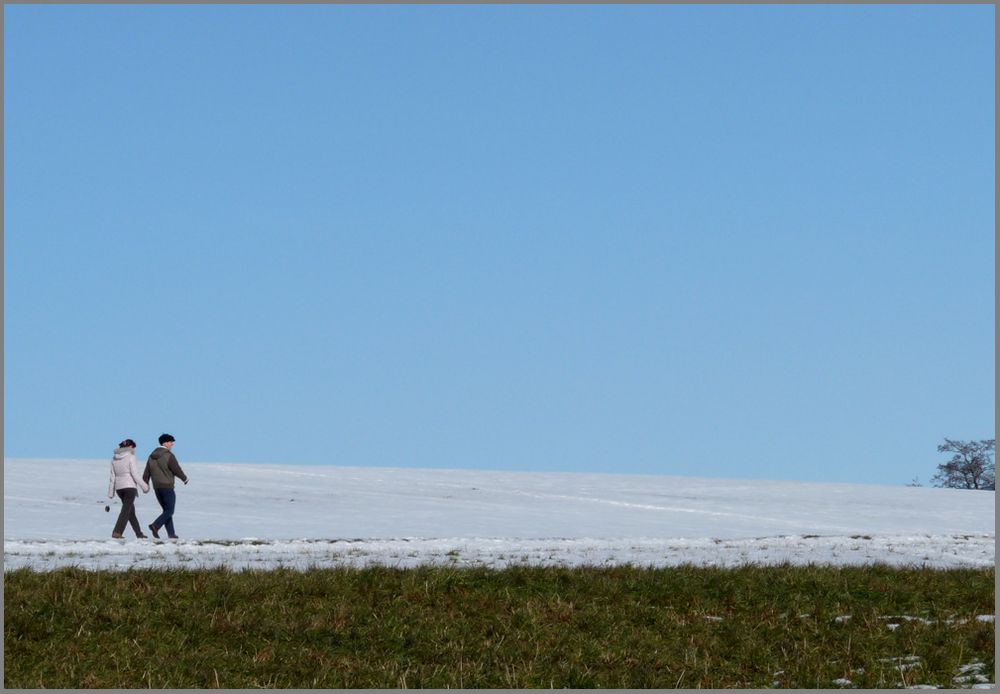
<point>971,465</point>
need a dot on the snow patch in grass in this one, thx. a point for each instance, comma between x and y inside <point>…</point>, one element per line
<point>904,662</point>
<point>971,675</point>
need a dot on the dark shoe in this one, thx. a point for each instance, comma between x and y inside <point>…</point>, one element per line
<point>172,537</point>
<point>117,536</point>
<point>141,537</point>
<point>152,529</point>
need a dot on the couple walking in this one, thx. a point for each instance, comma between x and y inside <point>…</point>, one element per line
<point>162,467</point>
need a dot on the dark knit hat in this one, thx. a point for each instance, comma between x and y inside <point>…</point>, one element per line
<point>166,437</point>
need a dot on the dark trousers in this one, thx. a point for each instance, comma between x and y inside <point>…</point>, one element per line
<point>167,499</point>
<point>127,514</point>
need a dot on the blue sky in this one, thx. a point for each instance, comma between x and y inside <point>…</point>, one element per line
<point>725,241</point>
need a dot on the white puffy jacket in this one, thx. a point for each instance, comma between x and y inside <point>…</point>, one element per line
<point>124,472</point>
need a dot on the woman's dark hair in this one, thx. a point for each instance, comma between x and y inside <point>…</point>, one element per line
<point>127,443</point>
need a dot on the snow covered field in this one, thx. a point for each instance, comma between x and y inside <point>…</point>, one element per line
<point>264,516</point>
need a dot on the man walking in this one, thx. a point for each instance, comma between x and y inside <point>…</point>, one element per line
<point>162,466</point>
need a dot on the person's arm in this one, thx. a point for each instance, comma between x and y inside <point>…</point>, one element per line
<point>111,484</point>
<point>175,468</point>
<point>134,470</point>
<point>146,473</point>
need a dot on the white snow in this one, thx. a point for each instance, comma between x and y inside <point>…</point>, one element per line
<point>972,674</point>
<point>904,662</point>
<point>930,622</point>
<point>263,516</point>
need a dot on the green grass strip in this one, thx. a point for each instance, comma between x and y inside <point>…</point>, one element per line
<point>524,627</point>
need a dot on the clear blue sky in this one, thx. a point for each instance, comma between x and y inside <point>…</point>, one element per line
<point>726,241</point>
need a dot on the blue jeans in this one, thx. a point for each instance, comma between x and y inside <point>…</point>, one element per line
<point>167,499</point>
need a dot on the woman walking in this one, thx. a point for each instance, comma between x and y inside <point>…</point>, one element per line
<point>124,476</point>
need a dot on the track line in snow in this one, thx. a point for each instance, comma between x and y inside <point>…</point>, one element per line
<point>646,507</point>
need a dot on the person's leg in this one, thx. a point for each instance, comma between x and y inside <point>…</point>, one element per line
<point>133,520</point>
<point>162,518</point>
<point>170,500</point>
<point>128,509</point>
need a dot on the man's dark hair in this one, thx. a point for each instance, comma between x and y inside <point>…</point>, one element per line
<point>166,437</point>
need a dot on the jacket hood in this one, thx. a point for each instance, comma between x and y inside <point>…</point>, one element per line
<point>159,453</point>
<point>121,452</point>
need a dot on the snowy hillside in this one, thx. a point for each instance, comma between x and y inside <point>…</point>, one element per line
<point>268,515</point>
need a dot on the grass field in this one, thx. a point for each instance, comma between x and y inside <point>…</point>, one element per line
<point>623,627</point>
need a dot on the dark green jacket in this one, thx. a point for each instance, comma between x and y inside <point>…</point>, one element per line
<point>162,466</point>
